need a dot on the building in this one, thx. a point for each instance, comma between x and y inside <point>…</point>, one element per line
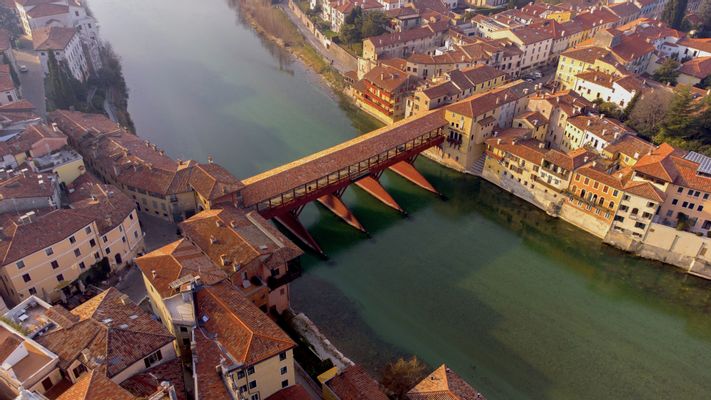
<point>688,48</point>
<point>535,45</point>
<point>65,45</point>
<point>473,120</point>
<point>443,383</point>
<point>423,39</point>
<point>557,108</point>
<point>683,177</point>
<point>595,131</point>
<point>620,90</point>
<point>457,85</point>
<point>23,191</point>
<point>214,186</point>
<point>383,91</point>
<point>257,258</point>
<point>26,364</point>
<point>352,383</point>
<point>8,91</point>
<point>6,48</point>
<point>16,116</point>
<point>158,185</point>
<point>694,71</point>
<point>628,150</point>
<point>237,350</point>
<point>640,203</point>
<point>46,253</point>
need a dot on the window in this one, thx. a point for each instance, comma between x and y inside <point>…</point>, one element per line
<point>669,213</point>
<point>87,230</point>
<point>697,193</point>
<point>104,238</point>
<point>33,291</point>
<point>639,225</point>
<point>283,370</point>
<point>82,265</point>
<point>690,192</point>
<point>680,190</point>
<point>92,242</point>
<point>153,358</point>
<point>135,234</point>
<point>625,197</point>
<point>96,255</point>
<point>49,251</point>
<point>706,225</point>
<point>240,374</point>
<point>701,208</point>
<point>684,204</point>
<point>615,193</point>
<point>80,369</point>
<point>183,329</point>
<point>186,342</point>
<point>26,277</point>
<point>108,250</point>
<point>77,252</point>
<point>650,204</point>
<point>243,388</point>
<point>675,201</point>
<point>691,206</point>
<point>282,356</point>
<point>60,278</point>
<point>252,384</point>
<point>250,370</point>
<point>72,239</point>
<point>285,383</point>
<point>706,196</point>
<point>20,264</point>
<point>254,397</point>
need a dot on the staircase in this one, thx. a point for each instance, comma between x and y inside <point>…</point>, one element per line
<point>478,166</point>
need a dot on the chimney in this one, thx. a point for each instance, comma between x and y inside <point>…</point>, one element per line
<point>209,159</point>
<point>589,122</point>
<point>55,127</point>
<point>154,274</point>
<point>213,239</point>
<point>497,100</point>
<point>498,141</point>
<point>541,145</point>
<point>636,155</point>
<point>585,159</point>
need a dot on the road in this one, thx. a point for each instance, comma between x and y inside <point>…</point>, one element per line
<point>33,80</point>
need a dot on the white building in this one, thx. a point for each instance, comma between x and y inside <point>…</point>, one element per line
<point>8,91</point>
<point>66,46</point>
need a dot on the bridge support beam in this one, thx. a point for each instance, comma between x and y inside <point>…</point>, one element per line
<point>371,186</point>
<point>291,222</point>
<point>338,207</point>
<point>408,171</point>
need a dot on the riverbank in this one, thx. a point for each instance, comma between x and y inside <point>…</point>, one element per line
<point>272,24</point>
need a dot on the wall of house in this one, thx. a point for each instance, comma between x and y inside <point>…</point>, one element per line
<point>168,353</point>
<point>584,221</point>
<point>267,376</point>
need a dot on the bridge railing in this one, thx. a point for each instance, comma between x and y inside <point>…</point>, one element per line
<point>351,173</point>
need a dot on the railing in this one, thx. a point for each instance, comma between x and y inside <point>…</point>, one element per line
<point>350,173</point>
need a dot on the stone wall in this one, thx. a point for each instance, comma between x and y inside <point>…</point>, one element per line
<point>327,48</point>
<point>584,221</point>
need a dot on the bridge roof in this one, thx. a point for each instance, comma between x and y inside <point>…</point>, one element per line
<point>300,172</point>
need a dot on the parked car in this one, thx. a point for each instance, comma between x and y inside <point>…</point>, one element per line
<point>23,68</point>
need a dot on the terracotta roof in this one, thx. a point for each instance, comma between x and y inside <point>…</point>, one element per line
<point>482,103</point>
<point>244,332</point>
<point>534,118</point>
<point>444,384</point>
<point>5,43</point>
<point>570,161</point>
<point>28,184</point>
<point>177,260</point>
<point>308,169</point>
<point>139,163</point>
<point>513,141</point>
<point>645,190</point>
<point>529,35</point>
<point>586,54</point>
<point>296,392</point>
<point>212,181</point>
<point>568,101</point>
<point>32,134</point>
<point>239,237</point>
<point>600,16</point>
<point>209,355</point>
<point>94,385</point>
<point>6,82</point>
<point>389,78</point>
<point>624,9</point>
<point>20,239</point>
<point>354,383</point>
<point>631,145</point>
<point>607,129</point>
<point>105,204</point>
<point>52,37</point>
<point>615,180</point>
<point>597,77</point>
<point>116,332</point>
<point>45,10</point>
<point>697,67</point>
<point>389,39</point>
<point>148,382</point>
<point>696,43</point>
<point>659,163</point>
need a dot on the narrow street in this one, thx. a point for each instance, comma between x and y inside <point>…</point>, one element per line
<point>33,80</point>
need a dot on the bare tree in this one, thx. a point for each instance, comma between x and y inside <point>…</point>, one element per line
<point>401,376</point>
<point>649,111</point>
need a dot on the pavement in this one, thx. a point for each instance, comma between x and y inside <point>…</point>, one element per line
<point>32,81</point>
<point>158,232</point>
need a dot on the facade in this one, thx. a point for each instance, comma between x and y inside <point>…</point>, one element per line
<point>457,85</point>
<point>595,131</point>
<point>535,45</point>
<point>250,369</point>
<point>638,206</point>
<point>383,91</point>
<point>423,39</point>
<point>66,46</point>
<point>475,119</point>
<point>557,108</point>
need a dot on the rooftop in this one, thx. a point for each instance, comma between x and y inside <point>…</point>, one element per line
<point>52,37</point>
<point>354,383</point>
<point>444,384</point>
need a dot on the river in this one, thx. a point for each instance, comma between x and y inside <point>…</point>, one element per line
<point>521,305</point>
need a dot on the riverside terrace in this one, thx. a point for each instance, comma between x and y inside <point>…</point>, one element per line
<point>282,193</point>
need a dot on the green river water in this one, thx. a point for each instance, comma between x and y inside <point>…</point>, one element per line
<point>520,305</point>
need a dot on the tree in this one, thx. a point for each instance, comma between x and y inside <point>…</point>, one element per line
<point>402,375</point>
<point>10,22</point>
<point>668,72</point>
<point>373,24</point>
<point>674,12</point>
<point>705,14</point>
<point>609,109</point>
<point>59,89</point>
<point>680,120</point>
<point>649,111</point>
<point>349,34</point>
<point>630,106</point>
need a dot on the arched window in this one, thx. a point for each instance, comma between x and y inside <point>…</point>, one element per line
<point>635,211</point>
<point>612,204</point>
<point>582,193</point>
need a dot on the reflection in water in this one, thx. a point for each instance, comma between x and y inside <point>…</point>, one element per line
<point>521,305</point>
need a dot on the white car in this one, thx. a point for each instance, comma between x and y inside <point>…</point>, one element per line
<point>23,68</point>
